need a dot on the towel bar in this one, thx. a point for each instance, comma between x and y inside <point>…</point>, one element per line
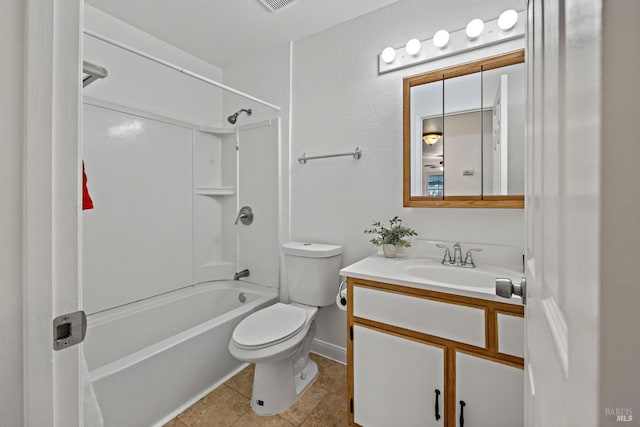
<point>357,153</point>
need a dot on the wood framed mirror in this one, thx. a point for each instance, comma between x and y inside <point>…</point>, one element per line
<point>463,142</point>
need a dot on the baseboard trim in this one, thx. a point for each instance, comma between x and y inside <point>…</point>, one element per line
<point>330,351</point>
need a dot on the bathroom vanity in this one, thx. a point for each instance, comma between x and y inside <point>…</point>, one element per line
<point>431,345</point>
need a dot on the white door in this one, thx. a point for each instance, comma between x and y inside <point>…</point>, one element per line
<point>396,381</point>
<point>51,209</point>
<point>561,215</point>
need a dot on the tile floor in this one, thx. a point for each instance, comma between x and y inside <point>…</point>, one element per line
<point>324,403</point>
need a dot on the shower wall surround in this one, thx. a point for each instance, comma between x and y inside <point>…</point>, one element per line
<point>166,176</point>
<point>163,216</point>
<point>137,241</point>
<point>165,190</point>
<point>272,170</point>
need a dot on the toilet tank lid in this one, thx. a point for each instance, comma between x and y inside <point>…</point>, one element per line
<point>311,250</point>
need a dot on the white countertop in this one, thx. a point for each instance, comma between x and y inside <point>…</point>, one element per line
<point>429,273</point>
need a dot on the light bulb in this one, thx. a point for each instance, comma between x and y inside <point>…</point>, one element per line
<point>388,55</point>
<point>431,137</point>
<point>413,47</point>
<point>441,38</point>
<point>474,28</point>
<point>507,20</point>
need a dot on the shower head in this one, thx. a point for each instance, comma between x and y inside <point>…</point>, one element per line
<point>234,117</point>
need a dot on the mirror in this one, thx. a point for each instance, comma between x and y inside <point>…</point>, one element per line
<point>464,135</point>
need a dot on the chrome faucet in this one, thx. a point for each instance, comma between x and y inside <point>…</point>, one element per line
<point>468,259</point>
<point>240,274</point>
<point>446,259</point>
<point>457,256</point>
<point>245,216</point>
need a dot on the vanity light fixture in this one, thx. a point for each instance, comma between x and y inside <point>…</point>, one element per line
<point>477,34</point>
<point>507,20</point>
<point>388,55</point>
<point>413,47</point>
<point>441,39</point>
<point>474,28</point>
<point>431,138</point>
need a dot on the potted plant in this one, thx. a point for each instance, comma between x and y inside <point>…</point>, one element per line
<point>392,237</point>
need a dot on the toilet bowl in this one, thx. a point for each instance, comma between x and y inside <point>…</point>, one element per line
<point>278,338</point>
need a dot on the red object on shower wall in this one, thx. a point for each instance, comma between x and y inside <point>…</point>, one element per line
<point>87,203</point>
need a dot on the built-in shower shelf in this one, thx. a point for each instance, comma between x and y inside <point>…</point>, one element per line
<point>216,191</point>
<point>216,131</point>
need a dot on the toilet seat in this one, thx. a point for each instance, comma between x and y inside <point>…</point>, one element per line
<point>269,326</point>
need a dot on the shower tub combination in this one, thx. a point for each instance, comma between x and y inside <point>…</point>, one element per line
<point>151,359</point>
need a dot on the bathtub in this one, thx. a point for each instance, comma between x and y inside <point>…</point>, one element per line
<point>151,359</point>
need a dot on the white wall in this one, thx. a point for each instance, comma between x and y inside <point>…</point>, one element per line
<point>620,210</point>
<point>11,171</point>
<point>340,102</point>
<point>139,83</point>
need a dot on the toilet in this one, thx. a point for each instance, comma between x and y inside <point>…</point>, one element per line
<point>278,338</point>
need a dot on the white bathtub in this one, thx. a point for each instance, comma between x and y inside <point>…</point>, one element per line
<point>151,359</point>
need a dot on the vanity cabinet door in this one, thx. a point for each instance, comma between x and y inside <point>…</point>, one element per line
<point>492,393</point>
<point>395,380</point>
<point>511,335</point>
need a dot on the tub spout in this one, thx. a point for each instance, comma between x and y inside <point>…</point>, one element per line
<point>241,274</point>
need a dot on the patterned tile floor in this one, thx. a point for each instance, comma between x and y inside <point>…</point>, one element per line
<point>323,404</point>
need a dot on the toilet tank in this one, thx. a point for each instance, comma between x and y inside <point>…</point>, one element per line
<point>312,272</point>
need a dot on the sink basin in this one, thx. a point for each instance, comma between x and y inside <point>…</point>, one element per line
<point>480,277</point>
<point>429,273</point>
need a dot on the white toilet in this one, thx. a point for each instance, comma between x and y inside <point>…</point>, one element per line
<point>277,338</point>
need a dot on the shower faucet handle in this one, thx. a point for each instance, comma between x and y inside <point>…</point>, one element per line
<point>245,216</point>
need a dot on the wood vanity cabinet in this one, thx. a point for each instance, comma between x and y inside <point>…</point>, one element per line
<point>414,354</point>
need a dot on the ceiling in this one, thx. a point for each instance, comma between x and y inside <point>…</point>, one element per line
<point>225,31</point>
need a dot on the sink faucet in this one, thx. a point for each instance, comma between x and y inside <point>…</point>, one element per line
<point>446,259</point>
<point>468,259</point>
<point>457,256</point>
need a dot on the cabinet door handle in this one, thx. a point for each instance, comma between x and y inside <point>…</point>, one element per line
<point>462,405</point>
<point>437,407</point>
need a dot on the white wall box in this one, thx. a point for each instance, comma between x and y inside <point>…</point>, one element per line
<point>413,355</point>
